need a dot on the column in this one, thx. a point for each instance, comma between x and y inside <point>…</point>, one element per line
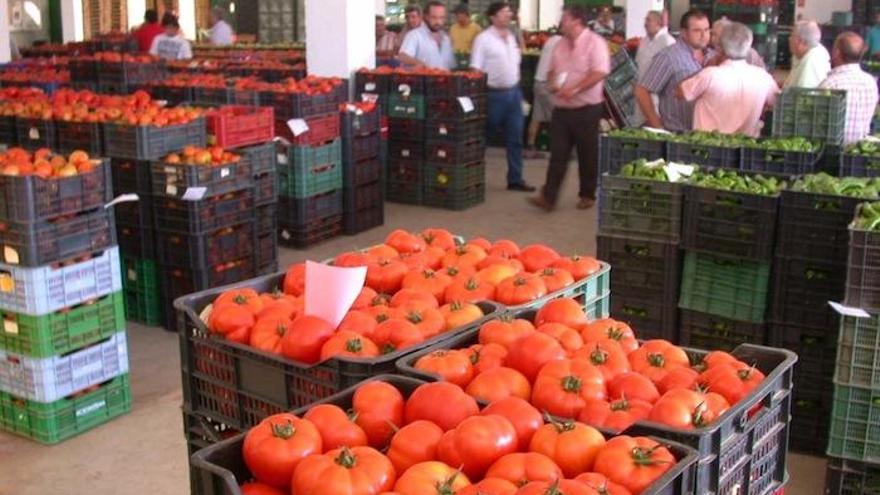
<point>635,15</point>
<point>549,12</point>
<point>135,11</point>
<point>528,14</point>
<point>340,36</point>
<point>4,32</point>
<point>186,10</point>
<point>380,7</point>
<point>71,20</point>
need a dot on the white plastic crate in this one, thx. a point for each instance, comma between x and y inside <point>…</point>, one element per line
<point>53,378</point>
<point>42,290</point>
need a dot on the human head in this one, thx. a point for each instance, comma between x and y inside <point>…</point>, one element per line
<point>605,14</point>
<point>717,27</point>
<point>574,19</point>
<point>462,14</point>
<point>736,40</point>
<point>413,16</point>
<point>151,16</point>
<point>804,36</point>
<point>217,15</point>
<point>435,15</point>
<point>653,22</point>
<point>500,14</point>
<point>169,22</point>
<point>695,30</point>
<point>848,49</point>
<point>380,25</point>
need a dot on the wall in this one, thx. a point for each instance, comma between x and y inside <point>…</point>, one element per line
<point>821,10</point>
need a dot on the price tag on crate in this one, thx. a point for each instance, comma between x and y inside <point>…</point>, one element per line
<point>34,133</point>
<point>369,97</point>
<point>10,326</point>
<point>297,126</point>
<point>370,86</point>
<point>11,255</point>
<point>849,310</point>
<point>443,130</point>
<point>467,104</point>
<point>194,193</point>
<point>404,89</point>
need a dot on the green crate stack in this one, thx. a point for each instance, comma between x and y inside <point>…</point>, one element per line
<point>142,289</point>
<point>728,287</point>
<point>816,114</point>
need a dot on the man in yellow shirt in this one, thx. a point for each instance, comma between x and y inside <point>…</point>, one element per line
<point>464,30</point>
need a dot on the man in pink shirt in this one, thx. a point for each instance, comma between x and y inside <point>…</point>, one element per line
<point>731,97</point>
<point>579,65</point>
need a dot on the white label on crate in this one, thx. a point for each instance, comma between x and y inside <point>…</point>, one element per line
<point>10,326</point>
<point>404,153</point>
<point>34,133</point>
<point>297,126</point>
<point>849,310</point>
<point>171,190</point>
<point>467,104</point>
<point>285,234</point>
<point>369,97</point>
<point>658,131</point>
<point>161,103</point>
<point>11,255</point>
<point>224,172</point>
<point>405,89</point>
<point>91,408</point>
<point>194,193</point>
<point>171,171</point>
<point>85,370</point>
<point>443,130</point>
<point>123,198</point>
<point>282,158</point>
<point>370,86</point>
<point>132,275</point>
<point>441,153</point>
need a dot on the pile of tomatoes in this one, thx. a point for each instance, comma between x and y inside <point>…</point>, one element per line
<point>438,442</point>
<point>594,371</point>
<point>41,75</point>
<point>45,164</point>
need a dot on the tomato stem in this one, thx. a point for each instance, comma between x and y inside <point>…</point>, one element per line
<point>354,345</point>
<point>346,459</point>
<point>284,431</point>
<point>571,384</point>
<point>598,356</point>
<point>656,360</point>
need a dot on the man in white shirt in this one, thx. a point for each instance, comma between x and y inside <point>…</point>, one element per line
<point>542,107</point>
<point>221,31</point>
<point>497,53</point>
<point>171,45</point>
<point>811,62</point>
<point>428,45</point>
<point>657,38</point>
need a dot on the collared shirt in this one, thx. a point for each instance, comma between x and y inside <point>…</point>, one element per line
<point>463,37</point>
<point>387,43</point>
<point>874,39</point>
<point>755,58</point>
<point>861,99</point>
<point>811,70</point>
<point>545,58</point>
<point>221,34</point>
<point>146,34</point>
<point>572,61</point>
<point>498,56</point>
<point>421,43</point>
<point>650,47</point>
<point>171,47</point>
<point>671,66</point>
<point>730,97</point>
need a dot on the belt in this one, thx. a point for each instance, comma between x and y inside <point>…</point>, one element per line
<point>499,90</point>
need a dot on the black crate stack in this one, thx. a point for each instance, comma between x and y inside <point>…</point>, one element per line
<point>363,168</point>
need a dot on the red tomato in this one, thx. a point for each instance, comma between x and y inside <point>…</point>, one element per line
<point>599,485</point>
<point>563,387</point>
<point>532,351</point>
<point>486,357</point>
<point>379,408</point>
<point>688,409</point>
<point>580,267</point>
<point>616,415</point>
<point>522,468</point>
<point>656,358</point>
<point>273,448</point>
<point>404,242</point>
<point>442,403</point>
<point>567,487</point>
<point>564,310</point>
<point>304,339</point>
<point>345,470</point>
<point>605,355</point>
<point>679,378</point>
<point>440,238</point>
<point>536,257</point>
<point>608,328</point>
<point>634,463</point>
<point>572,446</point>
<point>568,338</point>
<point>477,442</point>
<point>733,381</point>
<point>523,416</point>
<point>504,330</point>
<point>348,344</point>
<point>337,428</point>
<point>452,365</point>
<point>295,280</point>
<point>431,478</point>
<point>257,488</point>
<point>414,443</point>
<point>631,385</point>
<point>489,486</point>
<point>499,383</point>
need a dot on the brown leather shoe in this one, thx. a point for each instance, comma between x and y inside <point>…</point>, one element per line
<point>586,203</point>
<point>540,202</point>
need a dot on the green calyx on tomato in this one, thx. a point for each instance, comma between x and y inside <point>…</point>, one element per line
<point>447,486</point>
<point>284,431</point>
<point>598,356</point>
<point>644,457</point>
<point>697,418</point>
<point>414,317</point>
<point>620,405</point>
<point>656,360</point>
<point>354,345</point>
<point>281,329</point>
<point>571,384</point>
<point>239,299</point>
<point>346,459</point>
<point>561,426</point>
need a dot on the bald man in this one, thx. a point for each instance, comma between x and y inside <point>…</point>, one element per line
<point>753,58</point>
<point>860,87</point>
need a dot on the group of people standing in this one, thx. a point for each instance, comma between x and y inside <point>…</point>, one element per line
<point>166,41</point>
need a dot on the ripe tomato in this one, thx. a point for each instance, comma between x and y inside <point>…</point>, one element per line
<point>504,248</point>
<point>273,448</point>
<point>395,334</point>
<point>304,339</point>
<point>233,321</point>
<point>443,403</point>
<point>564,310</point>
<point>430,322</point>
<point>381,251</point>
<point>580,267</point>
<point>489,486</point>
<point>572,446</point>
<point>656,358</point>
<point>715,358</point>
<point>470,289</point>
<point>408,297</point>
<point>632,385</point>
<point>268,331</point>
<point>599,484</point>
<point>454,366</point>
<point>379,409</point>
<point>459,314</point>
<point>257,488</point>
<point>605,355</point>
<point>295,280</point>
<point>679,378</point>
<point>556,278</point>
<point>608,328</point>
<point>404,242</point>
<point>634,462</point>
<point>440,238</point>
<point>563,387</point>
<point>477,443</point>
<point>616,415</point>
<point>505,330</point>
<point>486,357</point>
<point>494,270</point>
<point>733,381</point>
<point>523,416</point>
<point>364,299</point>
<point>358,322</point>
<point>337,428</point>
<point>568,338</point>
<point>520,289</point>
<point>430,478</point>
<point>536,257</point>
<point>688,409</point>
<point>385,275</point>
<point>348,344</point>
<point>532,351</point>
<point>352,259</point>
<point>343,471</point>
<point>414,443</point>
<point>499,383</point>
<point>566,487</point>
<point>524,467</point>
<point>427,280</point>
<point>468,255</point>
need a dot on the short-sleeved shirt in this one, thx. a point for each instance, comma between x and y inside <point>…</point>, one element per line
<point>730,97</point>
<point>545,58</point>
<point>222,34</point>
<point>421,44</point>
<point>811,70</point>
<point>572,61</point>
<point>171,47</point>
<point>861,99</point>
<point>145,35</point>
<point>499,57</point>
<point>874,39</point>
<point>650,47</point>
<point>463,37</point>
<point>669,68</point>
<point>387,42</point>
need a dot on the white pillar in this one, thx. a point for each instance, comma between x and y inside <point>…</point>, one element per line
<point>135,9</point>
<point>380,7</point>
<point>4,32</point>
<point>186,16</point>
<point>549,12</point>
<point>635,15</point>
<point>341,36</point>
<point>528,14</point>
<point>71,20</point>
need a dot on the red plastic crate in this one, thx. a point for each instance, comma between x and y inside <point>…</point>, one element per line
<point>233,126</point>
<point>321,129</point>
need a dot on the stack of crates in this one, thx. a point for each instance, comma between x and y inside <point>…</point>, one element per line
<point>63,347</point>
<point>728,240</point>
<point>639,235</point>
<point>363,168</point>
<point>854,437</point>
<point>405,104</point>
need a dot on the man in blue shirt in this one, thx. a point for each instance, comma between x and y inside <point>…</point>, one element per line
<point>428,45</point>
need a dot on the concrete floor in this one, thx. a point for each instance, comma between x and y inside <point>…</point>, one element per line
<point>145,452</point>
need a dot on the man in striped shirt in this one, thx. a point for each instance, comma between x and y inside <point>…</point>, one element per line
<point>860,87</point>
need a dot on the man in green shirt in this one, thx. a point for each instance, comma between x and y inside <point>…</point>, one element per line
<point>874,36</point>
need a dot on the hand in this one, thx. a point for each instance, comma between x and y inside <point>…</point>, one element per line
<point>567,93</point>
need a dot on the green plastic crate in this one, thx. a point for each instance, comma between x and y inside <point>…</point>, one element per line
<point>64,330</point>
<point>53,422</point>
<point>855,424</point>
<point>139,274</point>
<point>143,299</point>
<point>406,107</point>
<point>818,114</point>
<point>858,352</point>
<point>729,287</point>
<point>306,171</point>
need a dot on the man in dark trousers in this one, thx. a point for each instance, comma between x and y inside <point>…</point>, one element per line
<point>579,66</point>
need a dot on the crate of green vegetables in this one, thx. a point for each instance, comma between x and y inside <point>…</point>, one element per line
<point>712,149</point>
<point>861,159</point>
<point>863,267</point>
<point>818,114</point>
<point>792,156</point>
<point>622,146</point>
<point>731,213</point>
<point>643,201</point>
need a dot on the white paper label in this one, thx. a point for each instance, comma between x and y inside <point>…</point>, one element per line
<point>405,89</point>
<point>224,172</point>
<point>10,255</point>
<point>285,235</point>
<point>282,158</point>
<point>123,198</point>
<point>370,86</point>
<point>849,310</point>
<point>467,104</point>
<point>404,153</point>
<point>34,133</point>
<point>132,275</point>
<point>675,171</point>
<point>171,171</point>
<point>10,326</point>
<point>658,131</point>
<point>369,97</point>
<point>194,193</point>
<point>442,130</point>
<point>441,153</point>
<point>91,408</point>
<point>297,126</point>
<point>171,190</point>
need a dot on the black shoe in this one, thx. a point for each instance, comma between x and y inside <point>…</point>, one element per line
<point>522,187</point>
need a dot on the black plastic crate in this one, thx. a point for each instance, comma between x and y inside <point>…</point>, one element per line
<point>654,315</point>
<point>136,241</point>
<point>359,123</point>
<point>859,165</point>
<point>813,113</point>
<point>406,150</point>
<point>152,143</point>
<point>808,433</point>
<point>406,130</point>
<point>816,348</point>
<point>454,199</point>
<point>357,221</point>
<point>172,95</point>
<point>266,249</point>
<point>814,226</point>
<point>641,267</point>
<point>729,223</point>
<point>640,208</point>
<point>407,83</point>
<point>441,177</point>
<point>300,105</point>
<point>31,198</point>
<point>451,108</point>
<point>212,96</point>
<point>455,153</point>
<point>404,182</point>
<point>802,289</point>
<point>85,136</point>
<point>708,331</point>
<point>371,83</point>
<point>296,213</point>
<point>364,196</point>
<point>360,148</point>
<point>311,234</point>
<point>266,188</point>
<point>266,218</point>
<point>132,176</point>
<point>194,217</point>
<point>208,249</point>
<point>52,241</point>
<point>863,270</point>
<point>846,477</point>
<point>175,180</point>
<point>129,73</point>
<point>8,130</point>
<point>471,83</point>
<point>179,281</point>
<point>262,157</point>
<point>454,131</point>
<point>83,70</point>
<point>36,133</point>
<point>363,172</point>
<point>780,162</point>
<point>617,151</point>
<point>702,154</point>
